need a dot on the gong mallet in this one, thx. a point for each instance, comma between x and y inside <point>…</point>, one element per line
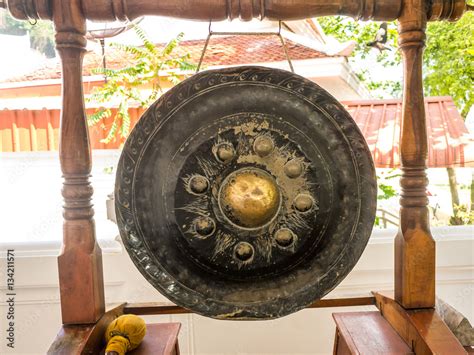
<point>123,334</point>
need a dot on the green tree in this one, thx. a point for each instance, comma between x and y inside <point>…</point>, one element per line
<point>346,29</point>
<point>385,191</point>
<point>449,61</point>
<point>124,86</point>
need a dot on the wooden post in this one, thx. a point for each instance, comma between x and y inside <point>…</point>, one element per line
<point>414,245</point>
<point>80,262</point>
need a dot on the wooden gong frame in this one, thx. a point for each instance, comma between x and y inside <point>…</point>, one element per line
<point>80,262</point>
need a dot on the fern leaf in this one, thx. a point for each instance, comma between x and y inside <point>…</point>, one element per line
<point>134,50</point>
<point>125,128</point>
<point>112,132</point>
<point>146,41</point>
<point>169,48</point>
<point>98,116</point>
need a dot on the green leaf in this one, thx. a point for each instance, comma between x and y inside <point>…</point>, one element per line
<point>136,51</point>
<point>148,44</point>
<point>98,116</point>
<point>125,116</point>
<point>112,131</point>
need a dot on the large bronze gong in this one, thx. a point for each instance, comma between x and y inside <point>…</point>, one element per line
<point>245,193</point>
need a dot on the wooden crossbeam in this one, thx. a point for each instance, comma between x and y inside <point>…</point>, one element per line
<point>157,308</point>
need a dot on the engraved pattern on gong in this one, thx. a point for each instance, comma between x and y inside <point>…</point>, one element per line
<point>245,199</point>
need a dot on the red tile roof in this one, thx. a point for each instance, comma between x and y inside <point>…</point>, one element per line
<point>449,141</point>
<point>228,50</point>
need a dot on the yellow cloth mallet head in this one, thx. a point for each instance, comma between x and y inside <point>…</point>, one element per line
<point>124,334</point>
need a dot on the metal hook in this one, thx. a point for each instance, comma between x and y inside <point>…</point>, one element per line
<point>28,14</point>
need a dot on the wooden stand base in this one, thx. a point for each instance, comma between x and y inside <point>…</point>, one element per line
<point>391,330</point>
<point>394,330</point>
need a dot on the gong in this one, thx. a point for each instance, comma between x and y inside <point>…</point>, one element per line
<point>245,193</point>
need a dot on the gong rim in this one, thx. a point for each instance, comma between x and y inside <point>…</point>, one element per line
<point>237,303</point>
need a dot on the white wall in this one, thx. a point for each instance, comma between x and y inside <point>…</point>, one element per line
<point>30,187</point>
<point>34,194</point>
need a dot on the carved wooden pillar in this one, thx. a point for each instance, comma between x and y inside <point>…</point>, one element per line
<point>414,245</point>
<point>80,262</point>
